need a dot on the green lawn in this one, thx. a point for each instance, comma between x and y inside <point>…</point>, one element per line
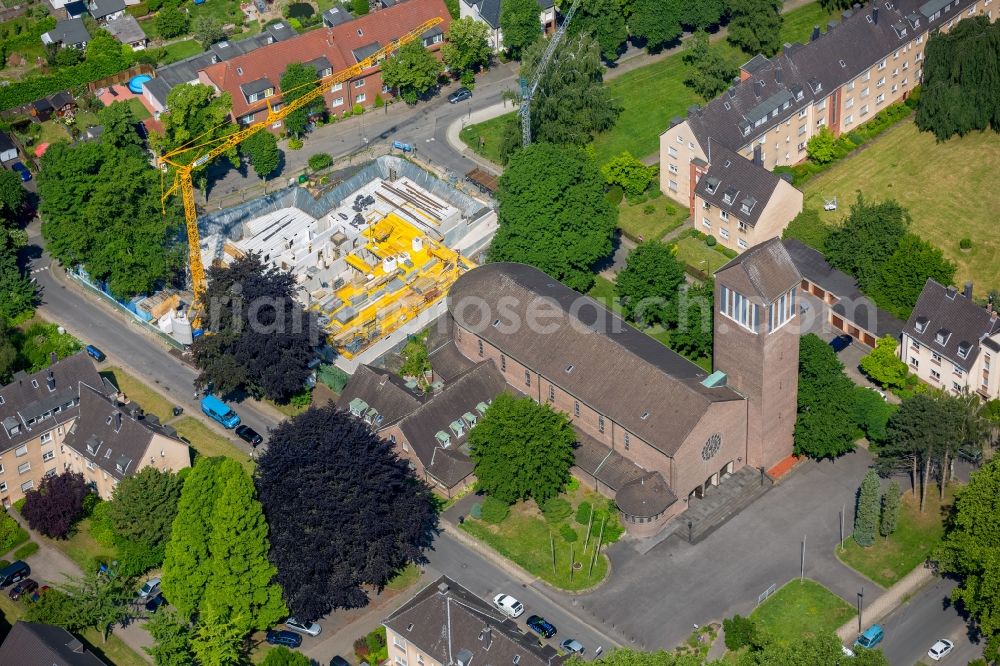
<point>802,610</point>
<point>150,400</point>
<point>138,110</point>
<point>53,131</point>
<point>524,537</point>
<point>180,50</point>
<point>603,292</point>
<point>917,534</point>
<point>694,253</point>
<point>405,578</point>
<point>206,442</point>
<point>797,25</point>
<point>639,225</point>
<point>928,178</point>
<point>490,132</point>
<point>81,546</point>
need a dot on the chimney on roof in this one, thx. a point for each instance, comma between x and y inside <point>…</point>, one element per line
<point>75,646</point>
<point>815,34</point>
<point>967,292</point>
<point>51,380</point>
<point>443,587</point>
<point>777,74</point>
<point>757,158</point>
<point>875,15</point>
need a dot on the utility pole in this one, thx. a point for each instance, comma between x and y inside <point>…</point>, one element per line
<point>861,605</point>
<point>802,559</point>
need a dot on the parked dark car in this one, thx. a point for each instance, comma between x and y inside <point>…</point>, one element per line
<point>248,435</point>
<point>154,604</point>
<point>95,353</point>
<point>841,342</point>
<point>459,95</point>
<point>22,171</point>
<point>26,586</point>
<point>970,453</point>
<point>541,626</point>
<point>287,638</point>
<point>13,573</point>
<point>339,661</point>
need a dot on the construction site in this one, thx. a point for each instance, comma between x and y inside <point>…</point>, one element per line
<point>374,256</point>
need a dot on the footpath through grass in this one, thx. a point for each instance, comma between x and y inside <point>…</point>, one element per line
<point>916,535</point>
<point>927,177</point>
<point>802,610</point>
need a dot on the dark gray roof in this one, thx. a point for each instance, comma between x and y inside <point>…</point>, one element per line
<point>622,373</point>
<point>604,464</point>
<point>363,52</point>
<point>813,69</point>
<point>6,143</point>
<point>479,385</point>
<point>101,8</point>
<point>321,63</point>
<point>114,437</point>
<point>489,10</point>
<point>255,87</point>
<point>71,31</point>
<point>852,303</point>
<point>75,8</point>
<point>736,185</point>
<point>27,398</point>
<point>762,273</point>
<point>279,31</point>
<point>944,314</point>
<point>335,16</point>
<point>645,497</point>
<point>448,362</point>
<point>382,391</point>
<point>61,99</point>
<point>126,29</point>
<point>36,644</point>
<point>445,618</point>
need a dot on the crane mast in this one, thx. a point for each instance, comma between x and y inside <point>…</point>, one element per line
<point>528,91</point>
<point>209,150</point>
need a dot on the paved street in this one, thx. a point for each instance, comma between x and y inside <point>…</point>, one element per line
<point>925,618</point>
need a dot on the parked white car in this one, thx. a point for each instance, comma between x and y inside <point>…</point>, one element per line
<point>308,628</point>
<point>149,587</point>
<point>941,649</point>
<point>508,605</point>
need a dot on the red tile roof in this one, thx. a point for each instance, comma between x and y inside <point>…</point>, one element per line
<point>335,43</point>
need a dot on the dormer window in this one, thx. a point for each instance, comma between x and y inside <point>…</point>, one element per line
<point>712,185</point>
<point>748,204</point>
<point>963,349</point>
<point>942,336</point>
<point>34,383</point>
<point>921,324</point>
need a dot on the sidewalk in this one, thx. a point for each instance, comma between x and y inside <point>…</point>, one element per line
<point>887,602</point>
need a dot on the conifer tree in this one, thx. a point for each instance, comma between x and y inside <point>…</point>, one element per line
<point>890,510</point>
<point>866,515</point>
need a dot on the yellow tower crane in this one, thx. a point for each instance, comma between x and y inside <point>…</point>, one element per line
<point>208,151</point>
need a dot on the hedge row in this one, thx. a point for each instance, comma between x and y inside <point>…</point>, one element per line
<point>28,90</point>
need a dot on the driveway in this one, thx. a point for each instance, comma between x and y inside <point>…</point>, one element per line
<point>656,598</point>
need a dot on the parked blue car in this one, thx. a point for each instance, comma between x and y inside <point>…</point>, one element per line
<point>95,353</point>
<point>541,626</point>
<point>22,171</point>
<point>873,636</point>
<point>281,637</point>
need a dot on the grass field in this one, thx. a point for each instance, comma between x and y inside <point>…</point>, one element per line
<point>151,401</point>
<point>694,253</point>
<point>207,443</point>
<point>405,578</point>
<point>802,610</point>
<point>640,226</point>
<point>948,187</point>
<point>490,132</point>
<point>603,292</point>
<point>916,535</point>
<point>81,546</point>
<point>180,50</point>
<point>138,110</point>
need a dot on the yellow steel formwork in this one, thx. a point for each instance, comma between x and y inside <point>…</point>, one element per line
<point>393,279</point>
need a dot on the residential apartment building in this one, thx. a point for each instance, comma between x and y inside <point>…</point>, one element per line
<point>952,343</point>
<point>870,59</point>
<point>253,79</point>
<point>67,417</point>
<point>445,624</point>
<point>488,12</point>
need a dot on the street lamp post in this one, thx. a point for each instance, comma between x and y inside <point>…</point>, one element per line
<point>761,468</point>
<point>861,605</point>
<point>690,525</point>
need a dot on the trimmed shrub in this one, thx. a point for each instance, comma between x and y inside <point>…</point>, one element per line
<point>568,534</point>
<point>648,209</point>
<point>494,510</point>
<point>26,551</point>
<point>379,102</point>
<point>468,79</point>
<point>357,109</point>
<point>583,513</point>
<point>965,243</point>
<point>573,484</point>
<point>739,631</point>
<point>614,195</point>
<point>11,534</point>
<point>320,161</point>
<point>294,144</point>
<point>476,511</point>
<point>556,509</point>
<point>710,241</point>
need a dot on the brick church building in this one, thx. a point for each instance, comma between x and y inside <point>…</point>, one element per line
<point>653,428</point>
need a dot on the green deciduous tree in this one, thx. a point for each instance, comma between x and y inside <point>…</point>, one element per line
<point>207,30</point>
<point>12,194</point>
<point>632,175</point>
<point>601,19</point>
<point>901,279</point>
<point>693,320</point>
<point>466,47</point>
<point>571,104</point>
<point>93,600</point>
<point>648,284</point>
<point>808,228</point>
<point>172,634</point>
<point>171,22</point>
<point>19,292</point>
<point>703,14</point>
<point>657,22</point>
<point>282,656</point>
<point>866,511</point>
<point>866,239</point>
<point>219,639</point>
<point>297,81</point>
<point>262,151</point>
<point>822,148</point>
<point>961,88</point>
<point>521,25</point>
<point>890,510</point>
<point>871,414</point>
<point>710,72</point>
<point>359,7</point>
<point>755,25</point>
<point>412,70</point>
<point>143,507</point>
<point>195,112</point>
<point>824,427</point>
<point>971,550</point>
<point>553,214</point>
<point>119,121</point>
<point>522,450</point>
<point>883,365</point>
